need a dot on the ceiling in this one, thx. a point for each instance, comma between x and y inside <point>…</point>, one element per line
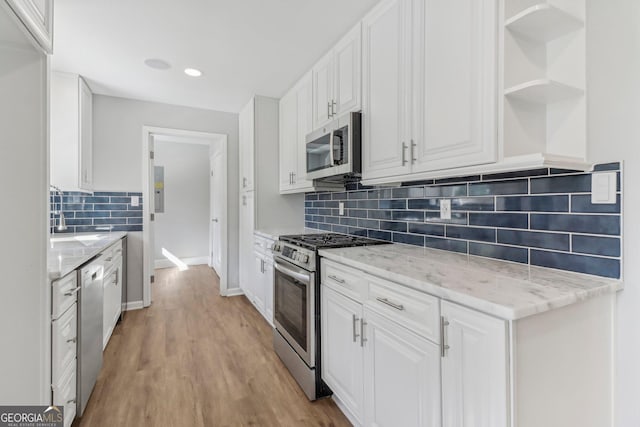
<point>243,47</point>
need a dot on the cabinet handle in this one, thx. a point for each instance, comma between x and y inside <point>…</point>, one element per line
<point>391,304</point>
<point>404,154</point>
<point>413,146</point>
<point>71,401</point>
<point>74,339</point>
<point>362,338</point>
<point>71,292</point>
<point>328,110</point>
<point>293,177</point>
<point>336,278</point>
<point>333,108</point>
<point>244,182</point>
<point>355,333</point>
<point>443,336</point>
<point>244,200</point>
<point>109,259</point>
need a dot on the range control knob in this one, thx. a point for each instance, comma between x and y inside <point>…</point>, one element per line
<point>275,247</point>
<point>304,258</point>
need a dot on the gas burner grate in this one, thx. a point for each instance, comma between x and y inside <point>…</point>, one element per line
<point>329,240</point>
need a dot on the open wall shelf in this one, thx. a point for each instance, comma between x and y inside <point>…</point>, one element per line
<point>543,22</point>
<point>542,91</point>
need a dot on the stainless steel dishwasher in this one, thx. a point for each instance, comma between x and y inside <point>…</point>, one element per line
<point>90,300</point>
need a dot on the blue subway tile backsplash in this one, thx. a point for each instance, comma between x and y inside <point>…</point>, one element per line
<point>541,217</point>
<point>98,212</point>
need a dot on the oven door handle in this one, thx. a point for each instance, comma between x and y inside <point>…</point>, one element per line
<point>304,278</point>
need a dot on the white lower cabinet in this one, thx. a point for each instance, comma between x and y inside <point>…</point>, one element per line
<point>261,295</point>
<point>64,393</point>
<point>401,375</point>
<point>474,369</point>
<point>386,370</point>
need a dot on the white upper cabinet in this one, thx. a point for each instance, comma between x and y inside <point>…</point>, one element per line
<point>296,121</point>
<point>454,84</point>
<point>474,375</point>
<point>71,133</point>
<point>37,16</point>
<point>429,87</point>
<point>385,78</point>
<point>337,79</point>
<point>246,134</point>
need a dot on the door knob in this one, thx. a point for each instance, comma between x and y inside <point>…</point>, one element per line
<point>215,220</point>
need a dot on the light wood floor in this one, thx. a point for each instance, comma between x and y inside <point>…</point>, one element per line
<point>196,359</point>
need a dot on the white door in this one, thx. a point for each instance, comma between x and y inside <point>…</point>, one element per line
<point>347,71</point>
<point>217,208</point>
<point>342,360</point>
<point>474,369</point>
<point>304,103</point>
<point>385,103</point>
<point>401,376</point>
<point>323,91</point>
<point>288,140</point>
<point>454,85</point>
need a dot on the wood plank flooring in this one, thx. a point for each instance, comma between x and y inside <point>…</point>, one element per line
<point>197,359</point>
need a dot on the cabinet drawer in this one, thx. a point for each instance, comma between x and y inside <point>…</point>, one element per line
<point>343,279</point>
<point>112,253</point>
<point>63,342</point>
<point>415,310</point>
<point>64,293</point>
<point>64,394</point>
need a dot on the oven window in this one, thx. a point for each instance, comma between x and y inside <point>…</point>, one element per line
<point>291,307</point>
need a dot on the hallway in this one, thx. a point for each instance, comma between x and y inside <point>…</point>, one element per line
<point>197,359</point>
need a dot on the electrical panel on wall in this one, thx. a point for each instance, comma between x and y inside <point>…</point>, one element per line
<point>159,189</point>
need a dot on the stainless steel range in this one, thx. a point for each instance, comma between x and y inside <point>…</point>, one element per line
<point>296,337</point>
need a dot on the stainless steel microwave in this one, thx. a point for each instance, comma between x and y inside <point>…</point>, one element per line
<point>334,151</point>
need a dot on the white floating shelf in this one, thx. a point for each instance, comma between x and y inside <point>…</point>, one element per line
<point>543,22</point>
<point>543,91</point>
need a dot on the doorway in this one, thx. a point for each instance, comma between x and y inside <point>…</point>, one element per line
<point>217,215</point>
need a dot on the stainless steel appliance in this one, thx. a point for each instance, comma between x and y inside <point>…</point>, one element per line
<point>333,152</point>
<point>296,337</point>
<point>90,300</point>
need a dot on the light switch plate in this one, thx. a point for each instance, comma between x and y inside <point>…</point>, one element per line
<point>135,201</point>
<point>603,188</point>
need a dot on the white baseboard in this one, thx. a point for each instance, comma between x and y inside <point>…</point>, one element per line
<point>234,292</point>
<point>347,413</point>
<point>134,305</point>
<point>165,263</point>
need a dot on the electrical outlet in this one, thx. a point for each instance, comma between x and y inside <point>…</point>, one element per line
<point>445,209</point>
<point>603,188</point>
<point>340,208</point>
<point>135,201</point>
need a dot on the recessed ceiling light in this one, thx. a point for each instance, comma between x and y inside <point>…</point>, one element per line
<point>192,72</point>
<point>157,64</point>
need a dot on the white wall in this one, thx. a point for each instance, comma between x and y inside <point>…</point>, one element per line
<point>613,73</point>
<point>183,227</point>
<point>117,138</point>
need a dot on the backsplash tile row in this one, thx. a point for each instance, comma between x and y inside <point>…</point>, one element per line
<point>99,211</point>
<point>541,217</point>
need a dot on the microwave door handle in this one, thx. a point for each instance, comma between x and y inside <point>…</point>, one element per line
<point>331,159</point>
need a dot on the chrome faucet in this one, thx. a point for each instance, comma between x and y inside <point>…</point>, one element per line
<point>62,225</point>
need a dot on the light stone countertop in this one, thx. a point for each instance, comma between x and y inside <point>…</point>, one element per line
<point>67,252</point>
<point>504,289</point>
<point>276,232</point>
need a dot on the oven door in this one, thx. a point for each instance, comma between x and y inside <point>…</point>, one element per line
<point>294,306</point>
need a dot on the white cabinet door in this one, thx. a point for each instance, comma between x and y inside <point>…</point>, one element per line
<point>347,72</point>
<point>288,154</point>
<point>323,91</point>
<point>385,102</point>
<point>401,376</point>
<point>259,291</point>
<point>304,101</point>
<point>268,288</point>
<point>63,343</point>
<point>86,136</point>
<point>454,83</point>
<point>245,235</point>
<point>474,369</point>
<point>246,141</point>
<point>342,358</point>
